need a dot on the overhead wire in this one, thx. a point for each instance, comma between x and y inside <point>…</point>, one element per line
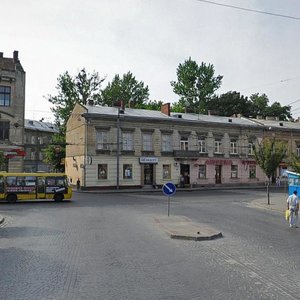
<point>251,10</point>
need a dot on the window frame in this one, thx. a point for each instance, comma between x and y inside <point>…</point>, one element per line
<point>5,96</point>
<point>203,172</point>
<point>147,141</point>
<point>166,171</point>
<point>166,143</point>
<point>234,171</point>
<point>127,171</point>
<point>127,141</point>
<point>102,140</point>
<point>103,171</point>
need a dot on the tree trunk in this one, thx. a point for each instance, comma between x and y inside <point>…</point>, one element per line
<point>268,190</point>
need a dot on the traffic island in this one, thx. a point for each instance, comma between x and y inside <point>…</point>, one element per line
<point>181,227</point>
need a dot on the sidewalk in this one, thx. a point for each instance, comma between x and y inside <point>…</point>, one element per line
<point>277,202</point>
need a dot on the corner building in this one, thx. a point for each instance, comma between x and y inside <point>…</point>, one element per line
<point>12,110</point>
<point>111,147</point>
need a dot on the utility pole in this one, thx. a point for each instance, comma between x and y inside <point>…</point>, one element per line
<point>118,149</point>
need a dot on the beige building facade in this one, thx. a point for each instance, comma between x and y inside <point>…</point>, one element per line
<point>12,110</point>
<point>110,147</point>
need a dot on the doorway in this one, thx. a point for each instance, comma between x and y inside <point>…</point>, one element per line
<point>218,174</point>
<point>148,174</point>
<point>185,172</point>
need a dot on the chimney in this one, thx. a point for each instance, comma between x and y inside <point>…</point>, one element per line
<point>1,54</point>
<point>165,109</point>
<point>16,56</point>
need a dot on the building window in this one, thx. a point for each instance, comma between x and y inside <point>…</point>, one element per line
<point>234,171</point>
<point>252,171</point>
<point>127,171</point>
<point>298,150</point>
<point>33,139</point>
<point>147,141</point>
<point>33,155</point>
<point>101,140</point>
<point>202,172</point>
<point>201,145</point>
<point>4,130</point>
<point>166,143</point>
<point>251,148</point>
<point>127,141</point>
<point>40,140</point>
<point>184,143</point>
<point>102,171</point>
<point>5,94</point>
<point>166,171</point>
<point>218,146</point>
<point>233,147</point>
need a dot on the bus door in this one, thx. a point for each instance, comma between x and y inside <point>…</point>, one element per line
<point>41,188</point>
<point>1,187</point>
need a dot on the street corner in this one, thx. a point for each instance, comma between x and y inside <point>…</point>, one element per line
<point>181,227</point>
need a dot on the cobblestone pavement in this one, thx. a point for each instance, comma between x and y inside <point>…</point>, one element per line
<point>109,247</point>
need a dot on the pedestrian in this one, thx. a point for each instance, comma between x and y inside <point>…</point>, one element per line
<point>181,181</point>
<point>78,184</point>
<point>278,181</point>
<point>293,207</point>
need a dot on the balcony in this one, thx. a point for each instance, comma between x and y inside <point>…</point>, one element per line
<point>186,153</point>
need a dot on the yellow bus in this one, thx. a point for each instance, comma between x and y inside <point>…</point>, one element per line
<point>25,186</point>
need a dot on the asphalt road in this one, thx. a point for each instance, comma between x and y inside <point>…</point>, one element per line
<point>107,246</point>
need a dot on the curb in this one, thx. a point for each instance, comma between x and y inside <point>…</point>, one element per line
<point>182,228</point>
<point>196,238</point>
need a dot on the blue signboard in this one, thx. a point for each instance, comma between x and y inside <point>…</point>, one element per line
<point>169,189</point>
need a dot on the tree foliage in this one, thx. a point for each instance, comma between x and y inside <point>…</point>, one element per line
<point>196,84</point>
<point>55,153</point>
<point>125,88</point>
<point>295,162</point>
<point>268,154</point>
<point>71,90</point>
<point>229,104</point>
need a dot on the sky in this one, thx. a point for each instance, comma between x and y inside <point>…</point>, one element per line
<point>254,52</point>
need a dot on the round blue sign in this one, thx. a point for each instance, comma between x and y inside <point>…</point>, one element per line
<point>169,189</point>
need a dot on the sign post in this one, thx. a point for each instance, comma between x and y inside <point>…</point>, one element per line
<point>169,189</point>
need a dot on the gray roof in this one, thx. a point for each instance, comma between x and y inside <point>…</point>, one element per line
<point>40,126</point>
<point>277,124</point>
<point>149,114</point>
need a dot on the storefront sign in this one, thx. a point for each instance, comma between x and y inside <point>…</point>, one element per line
<point>14,152</point>
<point>148,160</point>
<point>218,162</point>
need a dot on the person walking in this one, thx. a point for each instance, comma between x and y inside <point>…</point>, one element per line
<point>278,181</point>
<point>293,207</point>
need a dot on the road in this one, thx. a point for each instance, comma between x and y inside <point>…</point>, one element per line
<point>107,246</point>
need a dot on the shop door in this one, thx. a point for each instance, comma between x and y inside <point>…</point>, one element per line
<point>148,174</point>
<point>218,174</point>
<point>185,172</point>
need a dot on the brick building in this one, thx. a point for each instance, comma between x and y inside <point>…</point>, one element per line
<point>12,110</point>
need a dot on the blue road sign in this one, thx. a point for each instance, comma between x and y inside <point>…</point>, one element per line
<point>169,189</point>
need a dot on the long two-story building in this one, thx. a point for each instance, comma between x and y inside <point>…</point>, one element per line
<point>118,147</point>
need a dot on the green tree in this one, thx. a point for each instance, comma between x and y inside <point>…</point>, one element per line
<point>259,105</point>
<point>152,105</point>
<point>283,113</point>
<point>127,89</point>
<point>196,84</point>
<point>71,90</point>
<point>230,104</point>
<point>268,154</point>
<point>55,153</point>
<point>295,162</point>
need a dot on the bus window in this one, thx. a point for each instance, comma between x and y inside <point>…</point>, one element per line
<point>1,185</point>
<point>60,181</point>
<point>11,180</point>
<point>21,181</point>
<point>30,180</point>
<point>50,181</point>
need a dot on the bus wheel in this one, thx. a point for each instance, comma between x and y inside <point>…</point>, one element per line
<point>58,197</point>
<point>11,198</point>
